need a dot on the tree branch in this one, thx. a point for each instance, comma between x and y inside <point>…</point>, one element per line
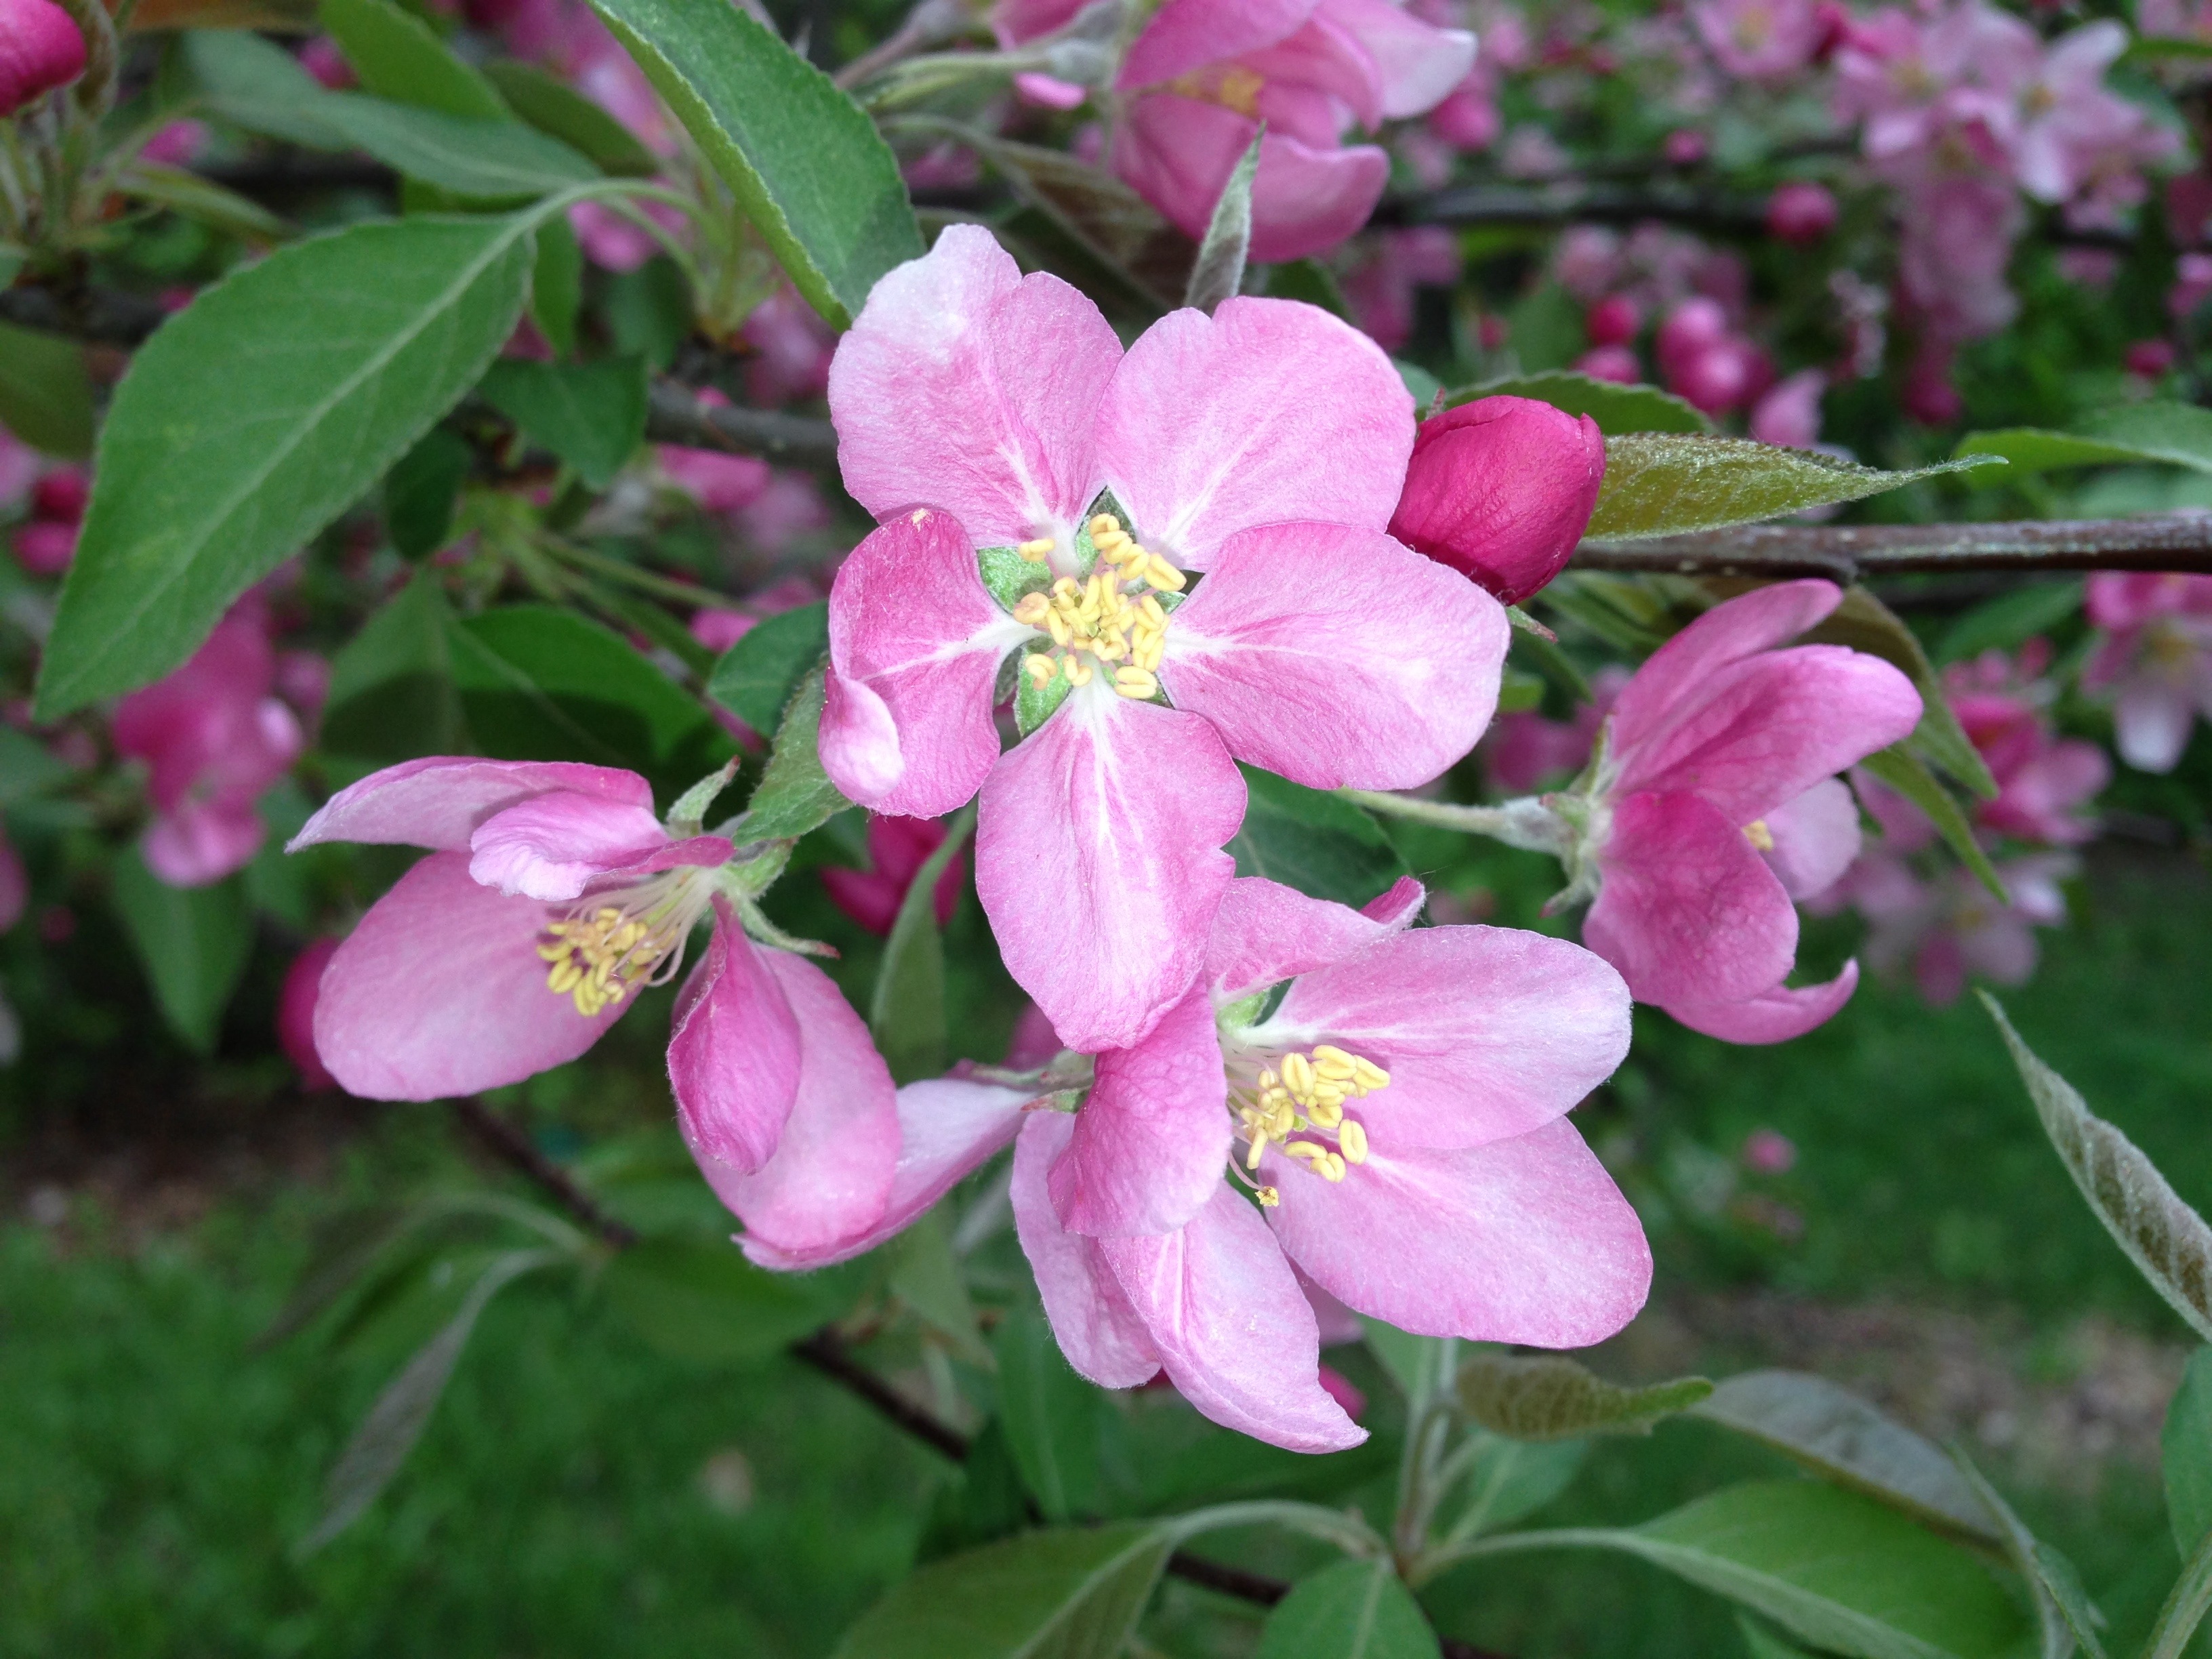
<point>675,415</point>
<point>504,1140</point>
<point>98,316</point>
<point>1845,553</point>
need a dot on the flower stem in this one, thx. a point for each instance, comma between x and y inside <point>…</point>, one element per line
<point>1527,822</point>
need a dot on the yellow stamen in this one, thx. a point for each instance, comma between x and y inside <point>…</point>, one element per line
<point>1104,524</point>
<point>1759,834</point>
<point>1032,610</point>
<point>1035,551</point>
<point>1135,683</point>
<point>1268,1196</point>
<point>1079,671</point>
<point>1040,669</point>
<point>1160,574</point>
<point>1057,625</point>
<point>1351,1141</point>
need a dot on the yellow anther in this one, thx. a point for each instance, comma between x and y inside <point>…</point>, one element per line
<point>1040,669</point>
<point>1759,834</point>
<point>1067,588</point>
<point>1031,609</point>
<point>1298,1074</point>
<point>1334,1064</point>
<point>1104,524</point>
<point>1268,1197</point>
<point>1035,551</point>
<point>1079,671</point>
<point>1268,1079</point>
<point>1311,1152</point>
<point>1154,613</point>
<point>1259,1146</point>
<point>1137,683</point>
<point>1351,1141</point>
<point>1057,626</point>
<point>1330,1168</point>
<point>1371,1076</point>
<point>1327,1114</point>
<point>1149,653</point>
<point>1160,574</point>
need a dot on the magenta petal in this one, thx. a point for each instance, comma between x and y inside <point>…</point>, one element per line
<point>1336,657</point>
<point>830,1176</point>
<point>440,991</point>
<point>1816,837</point>
<point>947,1128</point>
<point>438,802</point>
<point>733,1059</point>
<point>1177,153</point>
<point>1215,424</point>
<point>1188,34</point>
<point>914,645</point>
<point>1525,1240</point>
<point>1233,1328</point>
<point>1688,911</point>
<point>1774,1016</point>
<point>1152,1139</point>
<point>1487,1032</point>
<point>1092,1321</point>
<point>1746,625</point>
<point>1266,932</point>
<point>1098,862</point>
<point>551,847</point>
<point>199,841</point>
<point>1419,64</point>
<point>966,386</point>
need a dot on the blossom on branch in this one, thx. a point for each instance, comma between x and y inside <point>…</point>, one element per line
<point>2154,658</point>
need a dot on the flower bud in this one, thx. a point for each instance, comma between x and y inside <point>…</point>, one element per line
<point>1689,329</point>
<point>1500,489</point>
<point>1613,321</point>
<point>1611,362</point>
<point>2149,358</point>
<point>1801,213</point>
<point>39,50</point>
<point>1714,381</point>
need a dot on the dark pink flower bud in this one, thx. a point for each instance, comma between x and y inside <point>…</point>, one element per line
<point>1769,1152</point>
<point>39,50</point>
<point>1689,329</point>
<point>1715,380</point>
<point>45,548</point>
<point>295,1013</point>
<point>2149,358</point>
<point>61,496</point>
<point>1928,395</point>
<point>1613,321</point>
<point>1500,489</point>
<point>1801,213</point>
<point>1611,362</point>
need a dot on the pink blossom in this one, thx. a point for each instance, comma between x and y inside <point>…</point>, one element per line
<point>216,736</point>
<point>176,145</point>
<point>718,481</point>
<point>1501,490</point>
<point>789,507</point>
<point>1801,213</point>
<point>1790,414</point>
<point>1617,363</point>
<point>1380,287</point>
<point>2154,658</point>
<point>1315,645</point>
<point>322,58</point>
<point>39,50</point>
<point>1950,928</point>
<point>791,349</point>
<point>1402,1117</point>
<point>2192,282</point>
<point>1760,39</point>
<point>2150,359</point>
<point>1928,395</point>
<point>46,545</point>
<point>295,1014</point>
<point>1684,147</point>
<point>897,848</point>
<point>1204,74</point>
<point>2041,778</point>
<point>1615,320</point>
<point>1769,1152</point>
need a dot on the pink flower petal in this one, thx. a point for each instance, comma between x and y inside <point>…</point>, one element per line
<point>1524,1240</point>
<point>440,991</point>
<point>551,847</point>
<point>1098,862</point>
<point>1688,911</point>
<point>1774,1016</point>
<point>1266,932</point>
<point>1151,1141</point>
<point>197,842</point>
<point>1419,64</point>
<point>914,645</point>
<point>831,1174</point>
<point>1487,1032</point>
<point>947,1128</point>
<point>965,386</point>
<point>1336,657</point>
<point>438,802</point>
<point>1234,1330</point>
<point>1214,424</point>
<point>1097,1330</point>
<point>1743,627</point>
<point>733,1059</point>
<point>1816,837</point>
<point>1188,34</point>
<point>2152,721</point>
<point>296,1011</point>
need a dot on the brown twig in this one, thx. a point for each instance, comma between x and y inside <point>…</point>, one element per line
<point>675,415</point>
<point>509,1144</point>
<point>2169,541</point>
<point>98,316</point>
<point>826,1352</point>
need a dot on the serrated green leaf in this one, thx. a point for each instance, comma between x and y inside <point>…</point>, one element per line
<point>794,794</point>
<point>805,161</point>
<point>2185,1453</point>
<point>1842,1438</point>
<point>1219,272</point>
<point>398,56</point>
<point>332,357</point>
<point>1863,622</point>
<point>1060,1594</point>
<point>1057,1425</point>
<point>592,416</point>
<point>1353,1610</point>
<point>2180,435</point>
<point>190,196</point>
<point>756,677</point>
<point>2166,1240</point>
<point>1550,1397</point>
<point>192,941</point>
<point>699,1299</point>
<point>1317,842</point>
<point>483,159</point>
<point>1671,483</point>
<point>256,84</point>
<point>1615,407</point>
<point>1906,773</point>
<point>45,396</point>
<point>558,110</point>
<point>906,1015</point>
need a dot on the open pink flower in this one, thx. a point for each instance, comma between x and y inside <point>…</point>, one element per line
<point>216,737</point>
<point>1948,928</point>
<point>1399,1115</point>
<point>977,409</point>
<point>897,848</point>
<point>1760,40</point>
<point>2154,659</point>
<point>39,50</point>
<point>2043,780</point>
<point>552,895</point>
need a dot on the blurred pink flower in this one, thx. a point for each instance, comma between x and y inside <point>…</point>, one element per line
<point>1950,929</point>
<point>2042,778</point>
<point>1801,212</point>
<point>897,848</point>
<point>1380,288</point>
<point>2150,359</point>
<point>295,1013</point>
<point>176,144</point>
<point>1760,40</point>
<point>1615,320</point>
<point>1769,1152</point>
<point>2154,659</point>
<point>791,347</point>
<point>1617,363</point>
<point>1790,414</point>
<point>1524,750</point>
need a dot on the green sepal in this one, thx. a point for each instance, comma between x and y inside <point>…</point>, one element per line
<point>1009,576</point>
<point>1034,705</point>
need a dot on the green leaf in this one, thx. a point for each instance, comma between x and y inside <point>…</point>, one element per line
<point>493,161</point>
<point>192,941</point>
<point>2178,434</point>
<point>1615,407</point>
<point>1835,1570</point>
<point>1308,280</point>
<point>1105,222</point>
<point>45,396</point>
<point>1544,329</point>
<point>2166,1240</point>
<point>1864,623</point>
<point>1353,1610</point>
<point>906,1015</point>
<point>27,767</point>
<point>1842,1438</point>
<point>926,1275</point>
<point>2185,1449</point>
<point>334,355</point>
<point>2064,1613</point>
<point>256,84</point>
<point>756,677</point>
<point>1906,773</point>
<point>1218,272</point>
<point>805,161</point>
<point>556,285</point>
<point>699,1299</point>
<point>1760,1641</point>
<point>1671,483</point>
<point>537,683</point>
<point>392,694</point>
<point>2009,620</point>
<point>592,416</point>
<point>1057,1425</point>
<point>2184,1609</point>
<point>421,491</point>
<point>1514,1478</point>
<point>190,196</point>
<point>398,56</point>
<point>1060,1594</point>
<point>794,794</point>
<point>559,111</point>
<point>1550,1397</point>
<point>403,1411</point>
<point>1317,842</point>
